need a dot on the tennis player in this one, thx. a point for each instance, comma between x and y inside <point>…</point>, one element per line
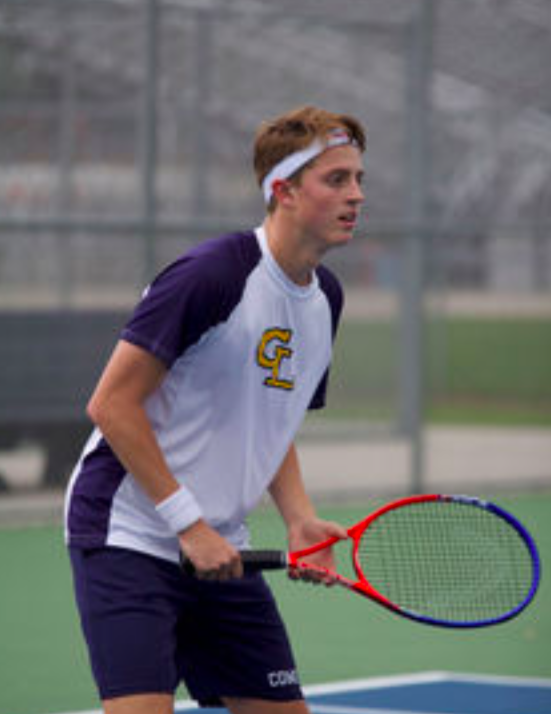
<point>196,414</point>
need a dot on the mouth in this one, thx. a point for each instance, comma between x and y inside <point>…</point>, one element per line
<point>348,220</point>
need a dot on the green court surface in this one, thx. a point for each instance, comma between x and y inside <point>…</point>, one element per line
<point>336,634</point>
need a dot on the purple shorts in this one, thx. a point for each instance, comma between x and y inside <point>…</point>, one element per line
<point>149,627</point>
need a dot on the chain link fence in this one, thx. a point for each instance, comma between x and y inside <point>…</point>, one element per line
<point>125,136</point>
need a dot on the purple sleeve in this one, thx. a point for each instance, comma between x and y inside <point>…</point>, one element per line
<point>195,293</point>
<point>333,291</point>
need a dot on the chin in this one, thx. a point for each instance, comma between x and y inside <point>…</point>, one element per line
<point>342,238</point>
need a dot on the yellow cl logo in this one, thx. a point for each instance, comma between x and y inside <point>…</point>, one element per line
<point>271,352</point>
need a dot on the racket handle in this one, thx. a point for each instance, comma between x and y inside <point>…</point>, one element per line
<point>253,561</point>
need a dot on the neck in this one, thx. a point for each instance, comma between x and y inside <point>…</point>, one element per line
<point>291,250</point>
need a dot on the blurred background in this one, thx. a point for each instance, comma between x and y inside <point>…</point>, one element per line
<point>126,129</point>
<point>125,137</point>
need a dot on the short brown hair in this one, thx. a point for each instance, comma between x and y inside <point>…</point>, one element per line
<point>294,131</point>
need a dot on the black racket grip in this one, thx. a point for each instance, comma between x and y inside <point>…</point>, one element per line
<point>253,561</point>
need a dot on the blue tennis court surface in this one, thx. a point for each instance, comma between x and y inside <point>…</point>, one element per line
<point>427,693</point>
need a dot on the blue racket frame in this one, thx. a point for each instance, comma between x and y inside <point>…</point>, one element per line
<point>536,569</point>
<point>254,560</point>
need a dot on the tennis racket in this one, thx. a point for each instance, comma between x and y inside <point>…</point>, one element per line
<point>452,561</point>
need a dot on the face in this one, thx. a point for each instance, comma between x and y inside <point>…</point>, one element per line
<point>328,197</point>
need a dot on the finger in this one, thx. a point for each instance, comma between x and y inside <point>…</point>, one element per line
<point>335,530</point>
<point>330,580</point>
<point>293,573</point>
<point>307,575</point>
<point>233,570</point>
<point>300,573</point>
<point>206,574</point>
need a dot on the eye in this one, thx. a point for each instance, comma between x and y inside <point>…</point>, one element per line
<point>337,178</point>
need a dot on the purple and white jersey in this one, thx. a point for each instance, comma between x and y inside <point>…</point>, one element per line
<point>247,352</point>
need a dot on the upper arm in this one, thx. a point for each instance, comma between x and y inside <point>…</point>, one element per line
<point>131,375</point>
<point>191,296</point>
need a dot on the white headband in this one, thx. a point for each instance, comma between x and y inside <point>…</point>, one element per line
<point>293,162</point>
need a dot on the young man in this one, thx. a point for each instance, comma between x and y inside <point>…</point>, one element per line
<point>196,414</point>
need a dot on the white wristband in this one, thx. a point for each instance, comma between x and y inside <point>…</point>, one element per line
<point>179,510</point>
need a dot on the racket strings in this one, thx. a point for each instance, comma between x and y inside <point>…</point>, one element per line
<point>445,560</point>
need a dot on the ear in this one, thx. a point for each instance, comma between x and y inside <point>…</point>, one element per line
<point>282,190</point>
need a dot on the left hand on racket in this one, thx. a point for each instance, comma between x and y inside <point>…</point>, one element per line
<point>307,533</point>
<point>447,560</point>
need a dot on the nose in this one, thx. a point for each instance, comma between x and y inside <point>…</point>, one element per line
<point>356,195</point>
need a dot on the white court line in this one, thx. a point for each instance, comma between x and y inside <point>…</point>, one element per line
<point>336,709</point>
<point>500,679</point>
<point>354,685</point>
<point>350,685</point>
<point>316,708</point>
<point>434,677</point>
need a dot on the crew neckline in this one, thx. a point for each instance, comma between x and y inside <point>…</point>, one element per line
<point>277,272</point>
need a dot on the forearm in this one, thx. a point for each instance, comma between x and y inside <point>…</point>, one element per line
<point>118,408</point>
<point>288,491</point>
<point>131,436</point>
<point>127,429</point>
<point>304,528</point>
<point>129,432</point>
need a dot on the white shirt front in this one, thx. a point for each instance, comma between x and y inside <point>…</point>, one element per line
<point>240,379</point>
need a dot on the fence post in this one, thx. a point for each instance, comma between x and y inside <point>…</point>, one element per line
<point>418,102</point>
<point>149,147</point>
